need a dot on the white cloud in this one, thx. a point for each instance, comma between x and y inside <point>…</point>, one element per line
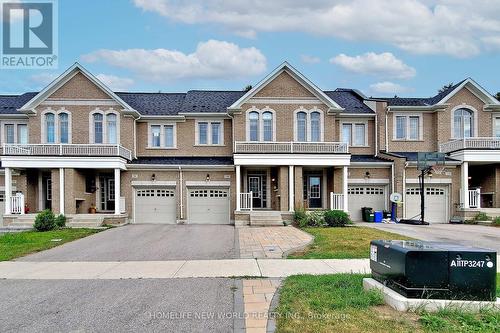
<point>453,27</point>
<point>116,83</point>
<point>384,65</point>
<point>387,87</point>
<point>43,78</point>
<point>211,60</point>
<point>310,59</point>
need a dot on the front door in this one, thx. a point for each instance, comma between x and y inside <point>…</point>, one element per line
<point>314,191</point>
<point>107,193</point>
<point>257,185</point>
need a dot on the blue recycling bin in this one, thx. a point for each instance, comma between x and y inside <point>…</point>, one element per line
<point>379,215</point>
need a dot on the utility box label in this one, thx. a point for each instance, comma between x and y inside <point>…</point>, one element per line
<point>373,253</point>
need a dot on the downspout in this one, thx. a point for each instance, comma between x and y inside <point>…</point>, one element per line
<point>376,134</point>
<point>386,130</point>
<point>181,192</point>
<point>135,138</point>
<point>404,189</point>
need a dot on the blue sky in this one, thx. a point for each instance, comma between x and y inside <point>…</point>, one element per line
<point>404,47</point>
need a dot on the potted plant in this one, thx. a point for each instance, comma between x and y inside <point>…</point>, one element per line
<point>92,209</point>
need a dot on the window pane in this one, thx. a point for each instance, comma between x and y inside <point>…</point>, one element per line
<point>457,124</point>
<point>315,127</point>
<point>467,120</point>
<point>414,128</point>
<point>22,134</point>
<point>155,135</point>
<point>9,133</point>
<point>215,133</point>
<point>254,126</point>
<point>111,130</point>
<point>98,128</point>
<point>202,133</point>
<point>497,127</point>
<point>346,133</point>
<point>63,128</point>
<point>359,135</point>
<point>401,127</point>
<point>169,136</point>
<point>50,127</point>
<point>268,126</point>
<point>301,126</point>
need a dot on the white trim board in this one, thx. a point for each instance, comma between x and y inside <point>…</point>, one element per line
<point>208,184</point>
<point>475,89</point>
<point>361,181</point>
<point>23,162</point>
<point>167,183</point>
<point>292,159</point>
<point>429,180</point>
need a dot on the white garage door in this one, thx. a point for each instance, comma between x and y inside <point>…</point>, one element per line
<point>208,206</point>
<point>436,203</point>
<point>155,205</point>
<point>365,196</point>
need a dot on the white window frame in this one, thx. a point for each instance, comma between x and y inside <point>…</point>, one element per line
<point>260,123</point>
<point>56,113</point>
<point>209,132</point>
<point>162,135</point>
<point>475,124</point>
<point>407,136</point>
<point>308,113</point>
<point>496,117</point>
<point>353,124</point>
<point>104,125</point>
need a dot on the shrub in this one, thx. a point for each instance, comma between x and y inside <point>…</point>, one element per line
<point>300,217</point>
<point>315,219</point>
<point>45,221</point>
<point>496,221</point>
<point>482,217</point>
<point>336,218</point>
<point>60,221</point>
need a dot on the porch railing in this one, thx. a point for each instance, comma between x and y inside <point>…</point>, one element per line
<point>470,143</point>
<point>17,204</point>
<point>291,147</point>
<point>246,201</point>
<point>91,150</point>
<point>336,201</point>
<point>473,198</point>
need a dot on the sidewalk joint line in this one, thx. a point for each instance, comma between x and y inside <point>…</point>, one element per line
<point>177,271</point>
<point>258,266</point>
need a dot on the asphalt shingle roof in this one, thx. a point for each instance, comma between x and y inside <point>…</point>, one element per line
<point>368,158</point>
<point>10,103</point>
<point>412,156</point>
<point>351,101</point>
<point>154,103</point>
<point>185,160</point>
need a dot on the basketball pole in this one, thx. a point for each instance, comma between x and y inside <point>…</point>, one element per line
<point>422,196</point>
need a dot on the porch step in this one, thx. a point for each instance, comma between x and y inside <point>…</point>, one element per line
<point>266,218</point>
<point>23,221</point>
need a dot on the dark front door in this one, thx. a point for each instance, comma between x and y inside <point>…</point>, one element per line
<point>107,185</point>
<point>314,191</point>
<point>257,185</point>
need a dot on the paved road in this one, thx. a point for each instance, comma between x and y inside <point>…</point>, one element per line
<point>148,242</point>
<point>120,305</point>
<point>471,235</point>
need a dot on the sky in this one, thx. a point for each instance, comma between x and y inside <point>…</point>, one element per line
<point>383,47</point>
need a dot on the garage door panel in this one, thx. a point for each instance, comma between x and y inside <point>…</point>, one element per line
<point>155,205</point>
<point>436,203</point>
<point>365,196</point>
<point>209,206</point>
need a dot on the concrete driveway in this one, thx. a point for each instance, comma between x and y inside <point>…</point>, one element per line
<point>471,235</point>
<point>149,305</point>
<point>148,242</point>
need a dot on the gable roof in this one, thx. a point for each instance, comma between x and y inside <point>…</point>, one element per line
<point>285,66</point>
<point>199,101</point>
<point>10,103</point>
<point>29,106</point>
<point>154,104</point>
<point>350,100</point>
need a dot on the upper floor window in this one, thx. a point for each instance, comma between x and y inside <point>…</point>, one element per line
<point>497,127</point>
<point>407,127</point>
<point>261,125</point>
<point>56,126</point>
<point>308,126</point>
<point>50,127</point>
<point>63,127</point>
<point>15,133</point>
<point>267,118</point>
<point>104,127</point>
<point>9,133</point>
<point>98,128</point>
<point>463,123</point>
<point>254,125</point>
<point>209,132</point>
<point>162,136</point>
<point>22,134</point>
<point>354,134</point>
<point>111,127</point>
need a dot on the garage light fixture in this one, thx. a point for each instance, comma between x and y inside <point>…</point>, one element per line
<point>153,177</point>
<point>208,177</point>
<point>367,175</point>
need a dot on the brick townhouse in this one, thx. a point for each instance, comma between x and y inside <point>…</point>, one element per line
<point>242,157</point>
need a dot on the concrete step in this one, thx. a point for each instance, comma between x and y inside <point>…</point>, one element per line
<point>266,218</point>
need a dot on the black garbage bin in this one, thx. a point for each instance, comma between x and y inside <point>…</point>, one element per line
<point>365,212</point>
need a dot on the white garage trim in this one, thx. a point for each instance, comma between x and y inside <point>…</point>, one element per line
<point>150,183</point>
<point>356,181</point>
<point>436,191</point>
<point>154,188</point>
<point>354,208</point>
<point>209,188</point>
<point>208,184</point>
<point>429,181</point>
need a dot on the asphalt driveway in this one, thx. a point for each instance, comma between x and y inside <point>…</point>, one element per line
<point>148,242</point>
<point>464,234</point>
<point>149,305</point>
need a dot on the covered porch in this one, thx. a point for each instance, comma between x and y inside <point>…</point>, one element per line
<point>480,185</point>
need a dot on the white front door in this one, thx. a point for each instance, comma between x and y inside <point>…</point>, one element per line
<point>436,203</point>
<point>365,196</point>
<point>209,206</point>
<point>155,205</point>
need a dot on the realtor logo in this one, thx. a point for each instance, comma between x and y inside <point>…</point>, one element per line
<point>29,35</point>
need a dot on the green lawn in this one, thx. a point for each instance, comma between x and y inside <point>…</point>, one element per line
<point>342,243</point>
<point>14,245</point>
<point>338,303</point>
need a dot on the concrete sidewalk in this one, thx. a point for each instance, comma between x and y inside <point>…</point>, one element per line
<point>178,269</point>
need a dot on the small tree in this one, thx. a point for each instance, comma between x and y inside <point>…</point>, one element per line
<point>498,95</point>
<point>336,218</point>
<point>445,87</point>
<point>45,221</point>
<point>60,221</point>
<point>248,88</point>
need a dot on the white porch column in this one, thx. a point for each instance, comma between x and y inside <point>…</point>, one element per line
<point>345,174</point>
<point>117,192</point>
<point>8,190</point>
<point>465,184</point>
<point>61,191</point>
<point>291,189</point>
<point>238,188</point>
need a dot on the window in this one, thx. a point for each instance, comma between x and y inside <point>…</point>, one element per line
<point>9,133</point>
<point>267,118</point>
<point>301,126</point>
<point>63,128</point>
<point>111,128</point>
<point>202,133</point>
<point>98,128</point>
<point>169,136</point>
<point>50,128</point>
<point>354,134</point>
<point>22,134</point>
<point>408,127</point>
<point>315,127</point>
<point>463,123</point>
<point>254,126</point>
<point>90,186</point>
<point>497,127</point>
<point>215,133</point>
<point>155,136</point>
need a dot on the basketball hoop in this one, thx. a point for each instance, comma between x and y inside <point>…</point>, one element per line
<point>438,169</point>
